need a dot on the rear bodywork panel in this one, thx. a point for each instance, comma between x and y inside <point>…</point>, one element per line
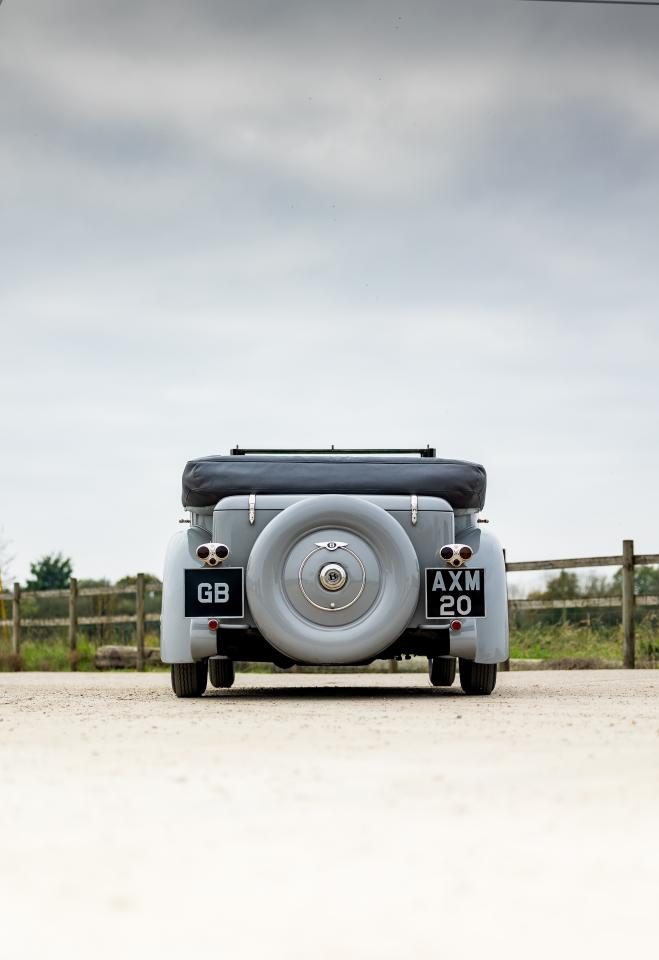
<point>237,520</point>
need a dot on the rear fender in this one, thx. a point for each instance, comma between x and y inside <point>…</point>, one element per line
<point>492,630</point>
<point>175,645</point>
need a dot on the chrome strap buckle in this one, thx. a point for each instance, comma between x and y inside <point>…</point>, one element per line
<point>414,503</point>
<point>252,508</point>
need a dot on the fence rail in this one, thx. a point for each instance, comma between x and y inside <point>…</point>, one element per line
<point>583,603</point>
<point>628,560</point>
<point>617,561</point>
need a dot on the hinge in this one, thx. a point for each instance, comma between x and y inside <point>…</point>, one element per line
<point>252,507</point>
<point>414,503</point>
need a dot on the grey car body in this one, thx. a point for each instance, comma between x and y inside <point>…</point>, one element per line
<point>333,560</point>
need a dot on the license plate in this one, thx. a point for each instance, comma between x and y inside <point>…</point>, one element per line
<point>455,593</point>
<point>215,593</point>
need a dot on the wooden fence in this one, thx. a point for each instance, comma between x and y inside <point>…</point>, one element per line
<point>628,560</point>
<point>73,621</point>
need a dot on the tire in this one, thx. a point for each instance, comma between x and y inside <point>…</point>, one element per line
<point>189,679</point>
<point>221,672</point>
<point>477,679</point>
<point>441,671</point>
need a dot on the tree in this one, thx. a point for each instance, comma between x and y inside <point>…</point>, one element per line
<point>5,560</point>
<point>646,581</point>
<point>5,579</point>
<point>562,587</point>
<point>51,572</point>
<point>131,580</point>
<point>599,587</point>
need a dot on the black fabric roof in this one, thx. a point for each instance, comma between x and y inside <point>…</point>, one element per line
<point>209,479</point>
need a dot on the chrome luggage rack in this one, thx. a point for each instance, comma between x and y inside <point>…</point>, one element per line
<point>426,451</point>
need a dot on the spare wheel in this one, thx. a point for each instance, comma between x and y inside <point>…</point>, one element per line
<point>332,579</point>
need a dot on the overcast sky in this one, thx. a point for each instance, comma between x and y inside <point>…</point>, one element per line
<point>312,223</point>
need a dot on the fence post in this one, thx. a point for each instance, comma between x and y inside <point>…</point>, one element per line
<point>629,649</point>
<point>505,664</point>
<point>16,620</point>
<point>73,620</point>
<point>139,619</point>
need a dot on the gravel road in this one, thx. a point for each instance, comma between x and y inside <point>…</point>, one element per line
<point>310,816</point>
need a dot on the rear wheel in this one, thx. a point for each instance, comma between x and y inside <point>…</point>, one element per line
<point>477,679</point>
<point>189,679</point>
<point>222,672</point>
<point>441,671</point>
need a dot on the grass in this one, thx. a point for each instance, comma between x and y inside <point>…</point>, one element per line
<point>564,641</point>
<point>584,641</point>
<point>54,655</point>
<point>50,656</point>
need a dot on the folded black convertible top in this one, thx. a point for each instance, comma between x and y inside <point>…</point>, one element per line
<point>209,479</point>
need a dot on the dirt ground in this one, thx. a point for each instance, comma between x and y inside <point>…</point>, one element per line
<point>307,816</point>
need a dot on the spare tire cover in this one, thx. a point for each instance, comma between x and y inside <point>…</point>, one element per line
<point>332,579</point>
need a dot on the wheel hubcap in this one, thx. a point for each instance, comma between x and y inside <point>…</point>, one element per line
<point>333,576</point>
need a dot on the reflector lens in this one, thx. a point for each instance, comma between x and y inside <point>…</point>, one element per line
<point>446,553</point>
<point>213,624</point>
<point>202,552</point>
<point>466,553</point>
<point>456,625</point>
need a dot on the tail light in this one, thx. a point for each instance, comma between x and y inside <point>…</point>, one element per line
<point>455,554</point>
<point>212,553</point>
<point>456,625</point>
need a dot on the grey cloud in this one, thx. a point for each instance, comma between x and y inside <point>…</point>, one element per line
<point>214,214</point>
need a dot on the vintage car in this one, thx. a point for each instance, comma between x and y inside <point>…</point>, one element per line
<point>333,558</point>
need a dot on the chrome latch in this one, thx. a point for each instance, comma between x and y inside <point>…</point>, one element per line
<point>252,508</point>
<point>414,502</point>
